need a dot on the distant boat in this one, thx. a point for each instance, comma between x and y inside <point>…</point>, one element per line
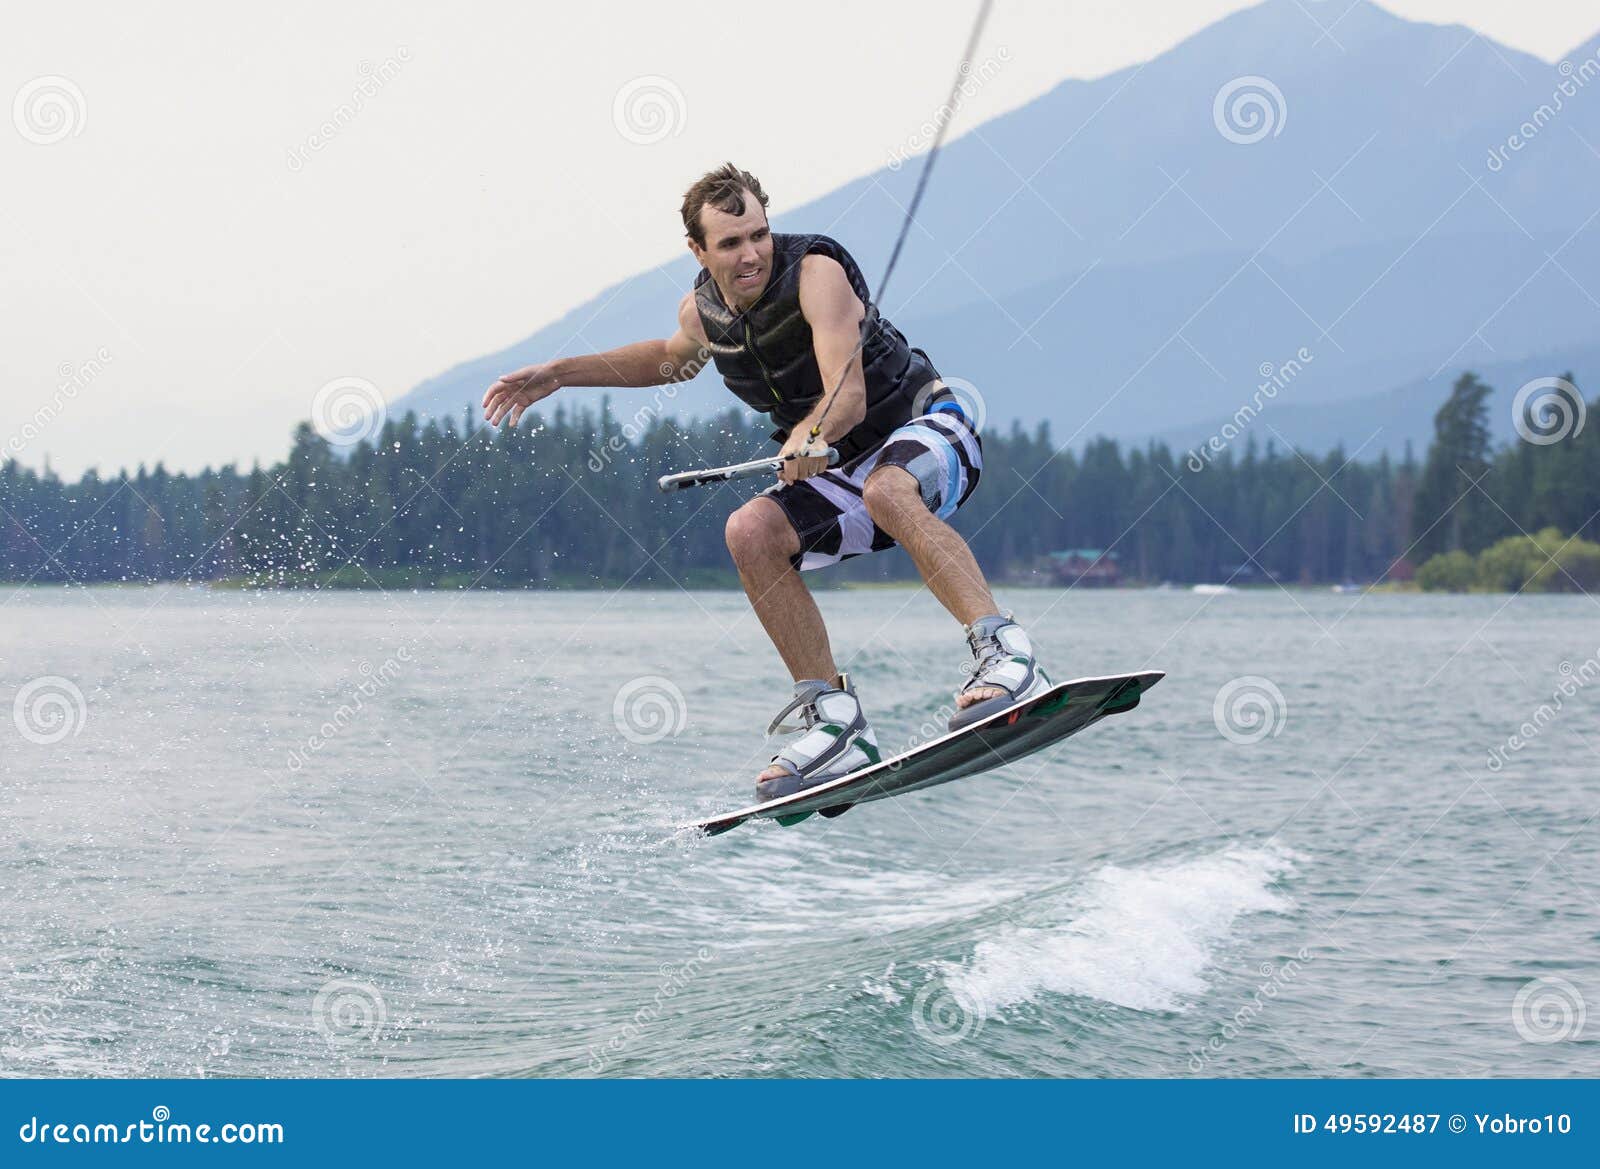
<point>1349,587</point>
<point>1213,590</point>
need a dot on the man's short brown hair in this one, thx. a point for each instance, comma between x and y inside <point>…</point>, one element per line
<point>724,189</point>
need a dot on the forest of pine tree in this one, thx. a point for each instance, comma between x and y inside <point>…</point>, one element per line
<point>569,500</point>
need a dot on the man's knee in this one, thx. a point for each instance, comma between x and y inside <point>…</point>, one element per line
<point>893,496</point>
<point>760,531</point>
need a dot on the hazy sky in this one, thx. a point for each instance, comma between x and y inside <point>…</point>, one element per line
<point>186,255</point>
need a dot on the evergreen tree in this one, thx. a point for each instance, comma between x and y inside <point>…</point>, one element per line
<point>568,499</point>
<point>1449,512</point>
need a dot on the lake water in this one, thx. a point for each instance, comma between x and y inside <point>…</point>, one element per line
<point>312,834</point>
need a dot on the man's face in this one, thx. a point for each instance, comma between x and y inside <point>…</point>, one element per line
<point>738,251</point>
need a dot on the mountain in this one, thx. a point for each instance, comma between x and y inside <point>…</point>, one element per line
<point>1122,256</point>
<point>1389,419</point>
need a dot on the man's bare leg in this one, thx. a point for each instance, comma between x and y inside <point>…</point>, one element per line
<point>762,540</point>
<point>894,501</point>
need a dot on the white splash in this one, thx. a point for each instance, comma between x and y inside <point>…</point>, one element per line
<point>1139,938</point>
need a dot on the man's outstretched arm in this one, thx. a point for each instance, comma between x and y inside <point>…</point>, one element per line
<point>643,363</point>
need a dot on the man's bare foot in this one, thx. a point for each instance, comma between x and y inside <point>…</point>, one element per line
<point>978,694</point>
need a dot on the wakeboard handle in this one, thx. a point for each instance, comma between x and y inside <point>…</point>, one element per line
<point>685,479</point>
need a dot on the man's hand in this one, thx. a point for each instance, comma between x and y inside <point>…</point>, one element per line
<point>811,457</point>
<point>516,391</point>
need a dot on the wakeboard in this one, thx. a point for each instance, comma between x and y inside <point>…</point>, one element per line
<point>1003,737</point>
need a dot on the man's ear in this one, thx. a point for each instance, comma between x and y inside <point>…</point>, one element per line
<point>697,251</point>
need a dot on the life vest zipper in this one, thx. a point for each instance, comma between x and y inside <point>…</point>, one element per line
<point>750,344</point>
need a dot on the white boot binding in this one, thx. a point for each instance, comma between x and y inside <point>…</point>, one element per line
<point>1002,657</point>
<point>832,738</point>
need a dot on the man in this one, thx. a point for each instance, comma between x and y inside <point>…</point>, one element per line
<point>782,316</point>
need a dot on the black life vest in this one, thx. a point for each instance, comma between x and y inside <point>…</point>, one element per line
<point>766,356</point>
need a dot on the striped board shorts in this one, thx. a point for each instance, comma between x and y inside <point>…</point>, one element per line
<point>828,513</point>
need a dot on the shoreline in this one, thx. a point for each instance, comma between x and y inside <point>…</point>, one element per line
<point>245,585</point>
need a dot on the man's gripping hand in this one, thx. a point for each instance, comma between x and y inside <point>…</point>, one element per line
<point>811,458</point>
